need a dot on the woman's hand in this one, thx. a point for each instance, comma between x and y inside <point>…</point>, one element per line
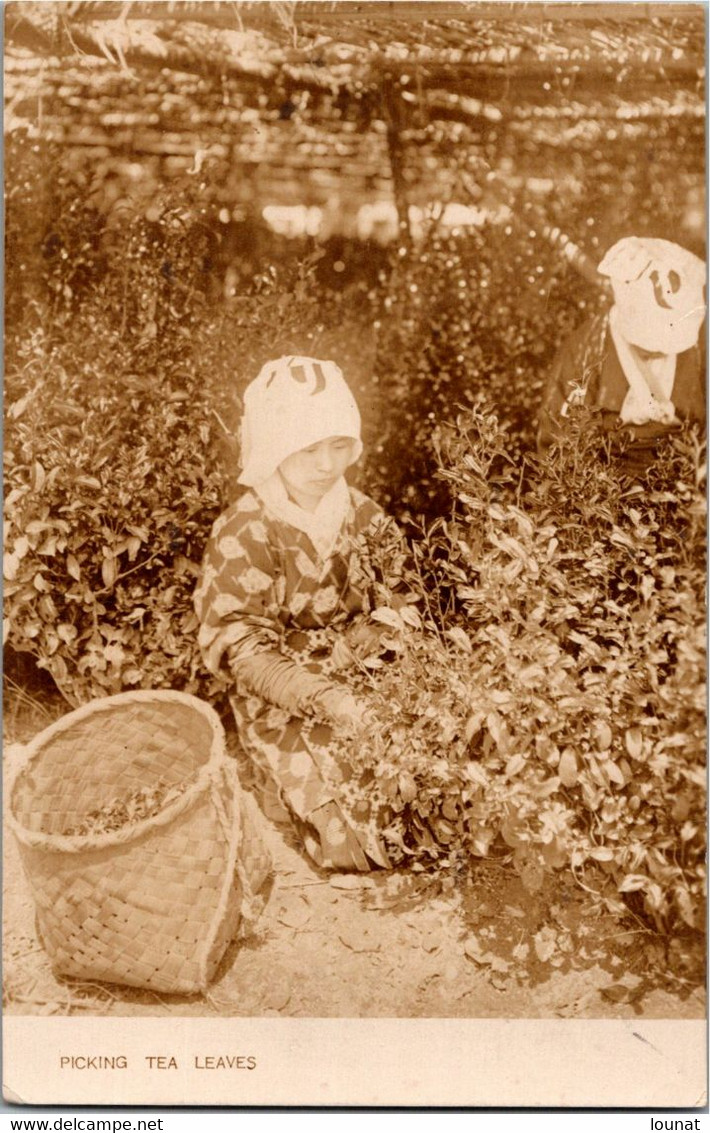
<point>364,638</point>
<point>348,713</point>
<point>359,641</point>
<point>342,656</point>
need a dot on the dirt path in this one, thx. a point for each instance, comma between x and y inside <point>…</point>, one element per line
<point>387,946</point>
<point>384,945</point>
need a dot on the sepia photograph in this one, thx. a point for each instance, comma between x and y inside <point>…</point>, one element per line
<point>354,557</point>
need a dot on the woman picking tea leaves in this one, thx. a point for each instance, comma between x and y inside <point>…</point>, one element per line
<point>282,604</point>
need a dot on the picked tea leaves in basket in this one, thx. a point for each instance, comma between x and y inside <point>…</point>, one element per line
<point>143,802</point>
<point>143,854</point>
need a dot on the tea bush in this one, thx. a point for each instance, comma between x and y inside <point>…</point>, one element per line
<point>122,398</point>
<point>460,316</point>
<point>481,312</point>
<point>554,707</point>
<point>553,710</point>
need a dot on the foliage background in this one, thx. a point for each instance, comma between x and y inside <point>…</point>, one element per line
<point>124,374</point>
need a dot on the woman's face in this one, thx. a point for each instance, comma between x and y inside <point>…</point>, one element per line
<point>311,472</point>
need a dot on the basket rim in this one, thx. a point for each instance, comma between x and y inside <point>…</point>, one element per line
<point>71,843</point>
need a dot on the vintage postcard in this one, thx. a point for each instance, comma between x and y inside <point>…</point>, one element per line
<point>354,557</point>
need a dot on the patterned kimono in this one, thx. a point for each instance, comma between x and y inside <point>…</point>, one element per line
<point>271,611</point>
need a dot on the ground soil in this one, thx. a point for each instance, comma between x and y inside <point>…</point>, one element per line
<point>388,945</point>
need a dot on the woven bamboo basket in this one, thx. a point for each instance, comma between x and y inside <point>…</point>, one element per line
<point>154,903</point>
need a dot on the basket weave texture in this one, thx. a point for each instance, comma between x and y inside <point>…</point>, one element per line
<point>155,903</point>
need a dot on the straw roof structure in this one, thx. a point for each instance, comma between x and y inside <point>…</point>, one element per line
<point>301,101</point>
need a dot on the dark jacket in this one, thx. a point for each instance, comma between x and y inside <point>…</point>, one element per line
<point>587,372</point>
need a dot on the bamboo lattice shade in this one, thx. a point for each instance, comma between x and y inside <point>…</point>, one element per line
<point>303,99</point>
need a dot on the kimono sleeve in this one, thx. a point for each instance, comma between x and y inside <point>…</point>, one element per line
<point>569,381</point>
<point>235,600</point>
<point>559,385</point>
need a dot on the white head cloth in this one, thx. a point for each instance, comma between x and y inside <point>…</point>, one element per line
<point>658,293</point>
<point>293,403</point>
<point>649,396</point>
